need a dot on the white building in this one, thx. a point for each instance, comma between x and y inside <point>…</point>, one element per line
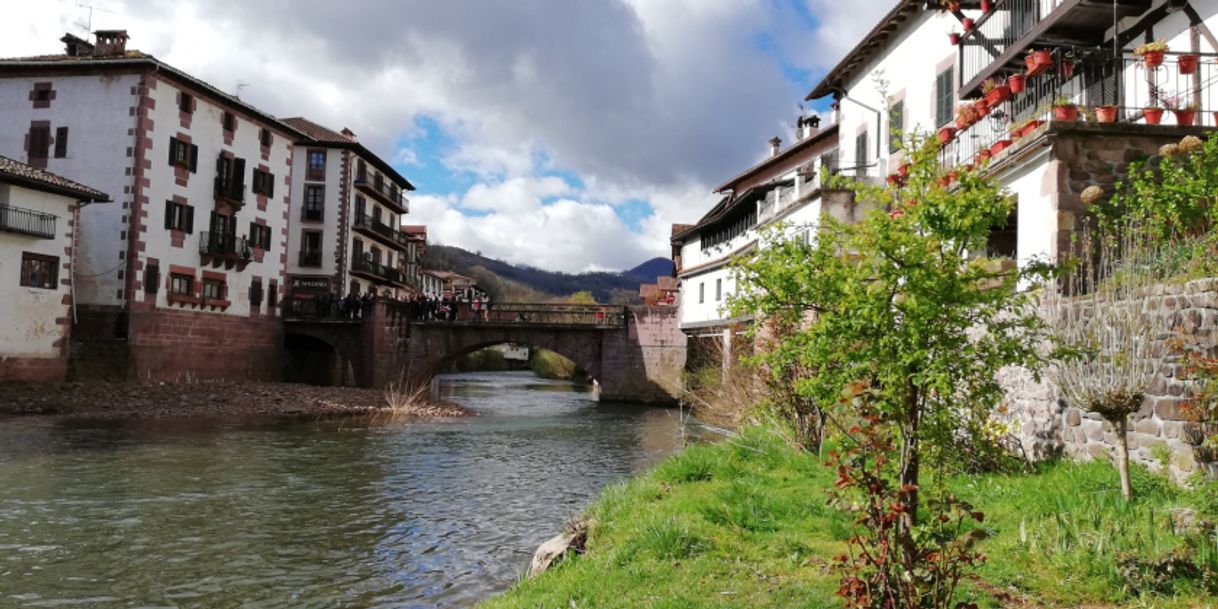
<point>784,187</point>
<point>349,206</point>
<point>38,217</point>
<point>184,270</point>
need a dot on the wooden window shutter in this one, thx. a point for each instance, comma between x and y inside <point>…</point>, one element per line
<point>194,158</point>
<point>238,178</point>
<point>190,219</point>
<point>61,142</point>
<point>152,278</point>
<point>173,150</point>
<point>270,184</point>
<point>168,215</point>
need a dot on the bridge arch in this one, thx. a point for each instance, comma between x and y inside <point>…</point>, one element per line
<point>434,347</point>
<point>445,362</point>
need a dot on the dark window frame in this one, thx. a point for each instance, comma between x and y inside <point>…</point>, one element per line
<point>179,216</point>
<point>152,277</point>
<point>186,102</point>
<point>61,142</point>
<point>179,280</point>
<point>214,289</point>
<point>315,171</point>
<point>39,271</point>
<point>228,121</point>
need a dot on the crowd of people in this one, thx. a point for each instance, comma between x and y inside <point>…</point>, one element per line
<point>353,307</point>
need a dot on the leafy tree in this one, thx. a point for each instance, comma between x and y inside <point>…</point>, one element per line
<point>906,302</point>
<point>581,297</point>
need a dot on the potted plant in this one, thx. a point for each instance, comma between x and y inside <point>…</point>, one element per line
<point>1031,126</point>
<point>966,115</point>
<point>1067,65</point>
<point>1064,109</point>
<point>1187,63</point>
<point>954,38</point>
<point>1152,113</point>
<point>982,156</point>
<point>1151,53</point>
<point>1106,113</point>
<point>999,146</point>
<point>1038,61</point>
<point>1186,112</point>
<point>967,23</point>
<point>995,92</point>
<point>903,171</point>
<point>946,134</point>
<point>1017,82</point>
<point>983,109</point>
<point>987,6</point>
<point>952,6</point>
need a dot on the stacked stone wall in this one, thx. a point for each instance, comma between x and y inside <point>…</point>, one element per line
<point>183,345</point>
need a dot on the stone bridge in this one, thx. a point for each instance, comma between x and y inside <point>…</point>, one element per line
<point>635,354</point>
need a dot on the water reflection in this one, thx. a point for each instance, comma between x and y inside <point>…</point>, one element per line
<point>309,514</point>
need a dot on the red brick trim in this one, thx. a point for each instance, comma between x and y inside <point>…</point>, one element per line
<point>141,169</point>
<point>36,95</point>
<point>33,369</point>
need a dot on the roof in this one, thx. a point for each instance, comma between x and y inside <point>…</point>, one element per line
<point>866,48</point>
<point>16,172</point>
<point>132,61</point>
<point>798,146</point>
<point>414,229</point>
<point>323,136</point>
<point>726,207</point>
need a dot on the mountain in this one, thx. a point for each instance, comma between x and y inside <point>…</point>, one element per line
<point>512,283</point>
<point>648,271</point>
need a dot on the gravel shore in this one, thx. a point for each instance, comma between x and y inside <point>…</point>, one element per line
<point>96,399</point>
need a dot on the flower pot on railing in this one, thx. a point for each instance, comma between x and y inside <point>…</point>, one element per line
<point>1215,118</point>
<point>999,146</point>
<point>1067,112</point>
<point>997,95</point>
<point>1185,117</point>
<point>894,180</point>
<point>983,156</point>
<point>1067,68</point>
<point>1187,63</point>
<point>953,7</point>
<point>1032,125</point>
<point>903,171</point>
<point>1017,82</point>
<point>983,108</point>
<point>967,23</point>
<point>1152,115</point>
<point>1039,61</point>
<point>987,6</point>
<point>1106,114</point>
<point>954,37</point>
<point>946,134</point>
<point>1152,59</point>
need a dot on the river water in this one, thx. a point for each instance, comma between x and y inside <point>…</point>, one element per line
<point>189,513</point>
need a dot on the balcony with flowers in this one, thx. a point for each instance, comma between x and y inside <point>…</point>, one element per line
<point>1150,90</point>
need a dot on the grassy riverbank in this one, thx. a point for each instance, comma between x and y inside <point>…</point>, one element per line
<point>744,524</point>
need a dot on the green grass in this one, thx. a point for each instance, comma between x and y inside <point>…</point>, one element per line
<point>745,523</point>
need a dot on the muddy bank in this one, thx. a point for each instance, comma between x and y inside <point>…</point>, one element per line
<point>207,399</point>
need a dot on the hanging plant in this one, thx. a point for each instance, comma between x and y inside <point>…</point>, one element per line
<point>1017,82</point>
<point>1187,63</point>
<point>967,23</point>
<point>995,92</point>
<point>1038,61</point>
<point>954,37</point>
<point>1151,53</point>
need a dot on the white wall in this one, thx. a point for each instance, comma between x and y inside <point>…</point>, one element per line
<point>28,327</point>
<point>97,112</point>
<point>330,215</point>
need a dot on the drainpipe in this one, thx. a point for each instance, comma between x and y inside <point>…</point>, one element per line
<point>879,119</point>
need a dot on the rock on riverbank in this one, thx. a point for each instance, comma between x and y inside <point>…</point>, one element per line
<point>207,399</point>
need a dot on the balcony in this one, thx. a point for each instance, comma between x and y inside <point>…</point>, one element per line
<point>376,271</point>
<point>388,194</point>
<point>380,231</point>
<point>225,249</point>
<point>229,191</point>
<point>1140,99</point>
<point>310,259</point>
<point>312,214</point>
<point>27,222</point>
<point>998,40</point>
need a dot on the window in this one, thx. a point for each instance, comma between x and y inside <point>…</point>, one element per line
<point>376,213</point>
<point>61,142</point>
<point>360,206</point>
<point>718,290</point>
<point>229,121</point>
<point>260,236</point>
<point>944,98</point>
<point>42,95</point>
<point>264,183</point>
<point>181,285</point>
<point>152,278</point>
<point>312,240</point>
<point>182,154</point>
<point>860,154</point>
<point>357,249</point>
<point>256,291</point>
<point>39,271</point>
<point>39,146</point>
<point>701,292</point>
<point>179,216</point>
<point>213,289</point>
<point>376,254</point>
<point>314,202</point>
<point>186,103</point>
<point>896,124</point>
<point>264,138</point>
<point>316,169</point>
<point>272,298</point>
<point>230,178</point>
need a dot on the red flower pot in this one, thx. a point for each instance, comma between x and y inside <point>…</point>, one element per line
<point>1065,113</point>
<point>894,180</point>
<point>967,22</point>
<point>1106,114</point>
<point>1152,59</point>
<point>953,175</point>
<point>953,7</point>
<point>983,156</point>
<point>954,38</point>
<point>903,171</point>
<point>1216,118</point>
<point>999,146</point>
<point>946,134</point>
<point>1187,63</point>
<point>1152,115</point>
<point>1039,61</point>
<point>1185,118</point>
<point>997,95</point>
<point>1031,126</point>
<point>945,181</point>
<point>982,107</point>
<point>962,123</point>
<point>987,6</point>
<point>1017,82</point>
<point>1067,68</point>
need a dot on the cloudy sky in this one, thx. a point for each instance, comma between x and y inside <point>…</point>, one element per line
<point>564,134</point>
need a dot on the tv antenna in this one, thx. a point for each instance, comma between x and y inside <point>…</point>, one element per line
<point>240,85</point>
<point>87,25</point>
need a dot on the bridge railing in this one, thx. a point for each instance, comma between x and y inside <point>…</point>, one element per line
<point>546,314</point>
<point>511,313</point>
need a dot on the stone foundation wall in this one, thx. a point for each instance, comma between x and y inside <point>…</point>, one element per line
<point>179,345</point>
<point>647,363</point>
<point>1047,425</point>
<point>33,369</point>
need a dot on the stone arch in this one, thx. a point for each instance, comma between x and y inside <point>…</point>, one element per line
<point>444,362</point>
<point>322,356</point>
<point>433,347</point>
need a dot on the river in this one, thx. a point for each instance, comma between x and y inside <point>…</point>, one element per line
<point>340,513</point>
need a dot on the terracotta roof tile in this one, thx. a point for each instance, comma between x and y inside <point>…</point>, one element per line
<point>16,172</point>
<point>318,133</point>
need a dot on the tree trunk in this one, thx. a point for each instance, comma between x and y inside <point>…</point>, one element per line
<point>1122,457</point>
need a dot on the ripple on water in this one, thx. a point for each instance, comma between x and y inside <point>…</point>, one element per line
<point>436,514</point>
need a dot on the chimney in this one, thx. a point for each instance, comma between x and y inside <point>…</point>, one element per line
<point>110,43</point>
<point>349,133</point>
<point>74,46</point>
<point>775,145</point>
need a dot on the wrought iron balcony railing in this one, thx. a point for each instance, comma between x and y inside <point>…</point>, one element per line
<point>27,222</point>
<point>226,245</point>
<point>392,236</point>
<point>376,270</point>
<point>387,193</point>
